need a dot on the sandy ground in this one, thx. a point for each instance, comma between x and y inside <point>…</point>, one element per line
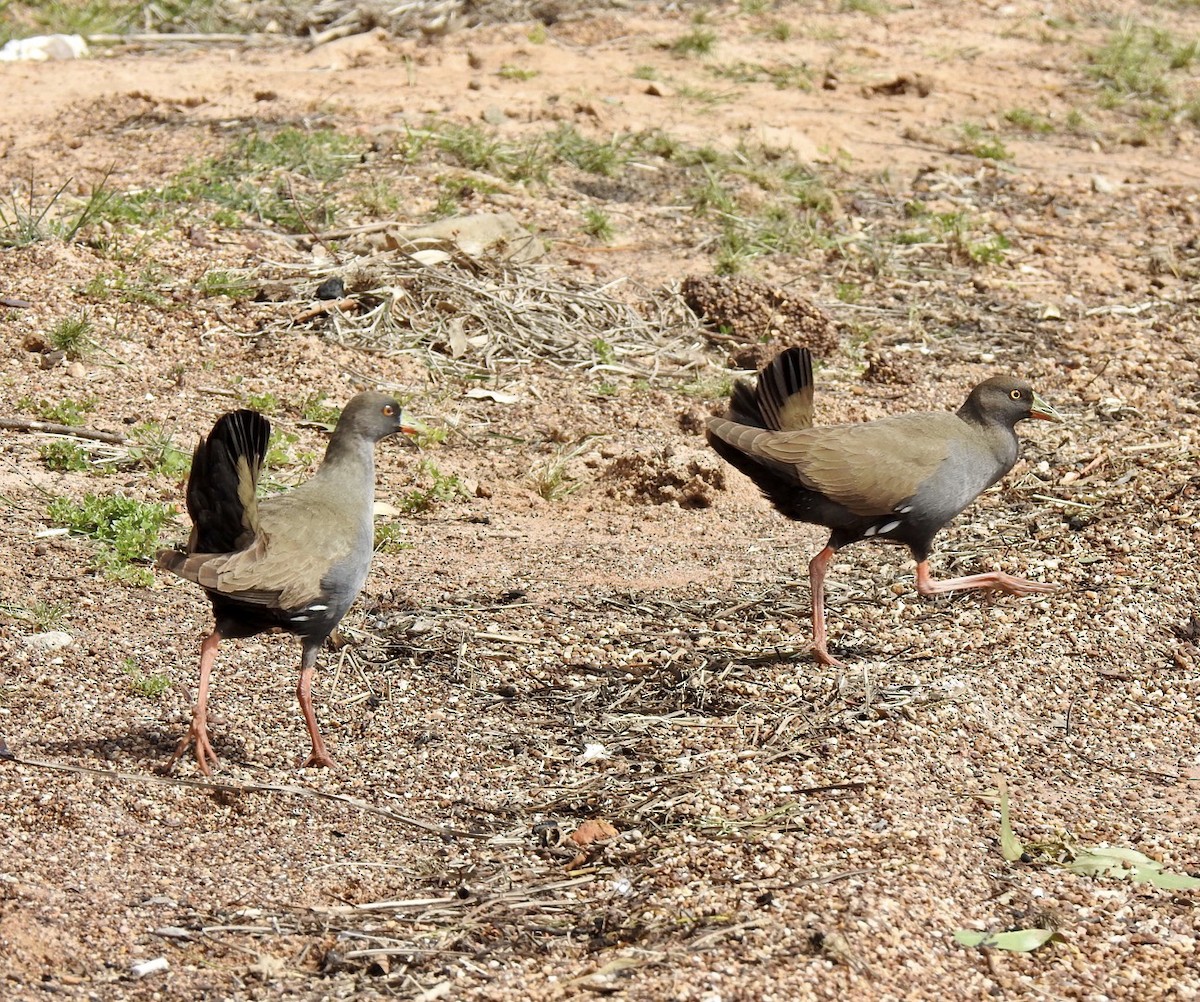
<point>633,651</point>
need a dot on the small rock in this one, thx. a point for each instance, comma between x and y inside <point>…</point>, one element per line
<point>494,115</point>
<point>1102,185</point>
<point>332,288</point>
<point>52,641</point>
<point>76,370</point>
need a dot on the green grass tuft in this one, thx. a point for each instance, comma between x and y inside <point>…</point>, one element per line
<point>147,686</point>
<point>72,335</point>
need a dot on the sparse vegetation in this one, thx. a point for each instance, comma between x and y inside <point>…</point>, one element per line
<point>146,287</point>
<point>154,449</point>
<point>873,8</point>
<point>390,538</point>
<point>510,72</point>
<point>66,411</point>
<point>316,410</point>
<point>587,154</point>
<point>29,219</point>
<point>1028,121</point>
<point>605,355</point>
<point>284,462</point>
<point>40,615</point>
<point>72,335</point>
<point>126,529</point>
<point>697,42</point>
<point>551,480</point>
<point>265,402</point>
<point>979,142</point>
<point>62,455</point>
<point>224,283</point>
<point>597,224</point>
<point>147,686</point>
<point>1140,64</point>
<point>785,76</point>
<point>443,488</point>
<point>635,649</point>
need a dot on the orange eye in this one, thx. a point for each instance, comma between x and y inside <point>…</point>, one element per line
<point>1015,394</point>
<point>389,410</point>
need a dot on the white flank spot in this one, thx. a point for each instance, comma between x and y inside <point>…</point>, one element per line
<point>889,527</point>
<point>317,608</point>
<point>905,510</point>
<point>301,619</point>
<point>871,531</point>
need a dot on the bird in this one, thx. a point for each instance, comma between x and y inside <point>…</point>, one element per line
<point>293,562</point>
<point>899,479</point>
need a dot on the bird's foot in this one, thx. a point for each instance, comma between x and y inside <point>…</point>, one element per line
<point>991,581</point>
<point>319,759</point>
<point>822,656</point>
<point>197,734</point>
<point>1011,585</point>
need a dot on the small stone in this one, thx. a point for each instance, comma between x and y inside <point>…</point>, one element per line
<point>76,370</point>
<point>332,288</point>
<point>1102,185</point>
<point>52,641</point>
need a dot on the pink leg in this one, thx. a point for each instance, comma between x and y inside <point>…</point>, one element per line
<point>319,758</point>
<point>197,733</point>
<point>991,581</point>
<point>816,578</point>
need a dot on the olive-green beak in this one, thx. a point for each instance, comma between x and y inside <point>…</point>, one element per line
<point>1043,411</point>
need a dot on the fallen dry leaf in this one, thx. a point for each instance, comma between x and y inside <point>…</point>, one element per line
<point>587,833</point>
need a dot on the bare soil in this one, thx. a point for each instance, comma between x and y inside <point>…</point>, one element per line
<point>633,651</point>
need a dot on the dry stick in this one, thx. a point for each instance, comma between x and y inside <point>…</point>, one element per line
<point>168,38</point>
<point>47,428</point>
<point>348,305</point>
<point>202,784</point>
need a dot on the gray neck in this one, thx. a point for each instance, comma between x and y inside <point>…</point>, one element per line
<point>350,464</point>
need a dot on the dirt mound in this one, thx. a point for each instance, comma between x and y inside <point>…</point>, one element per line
<point>689,478</point>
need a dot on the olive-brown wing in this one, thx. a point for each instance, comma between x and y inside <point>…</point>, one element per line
<point>870,469</point>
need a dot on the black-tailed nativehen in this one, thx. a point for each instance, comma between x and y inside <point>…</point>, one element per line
<point>293,562</point>
<point>899,479</point>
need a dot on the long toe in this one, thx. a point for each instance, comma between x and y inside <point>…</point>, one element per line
<point>206,758</point>
<point>822,656</point>
<point>319,760</point>
<point>1011,585</point>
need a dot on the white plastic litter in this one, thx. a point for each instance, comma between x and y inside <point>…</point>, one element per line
<point>147,967</point>
<point>40,48</point>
